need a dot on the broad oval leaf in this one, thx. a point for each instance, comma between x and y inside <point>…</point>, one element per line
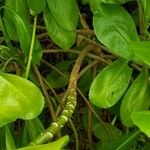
<point>9,24</point>
<point>36,5</point>
<point>17,19</point>
<point>110,84</point>
<point>100,132</point>
<point>57,145</point>
<point>19,98</point>
<point>65,13</point>
<point>141,50</point>
<point>142,120</point>
<point>124,142</point>
<point>136,98</point>
<point>62,37</point>
<point>115,28</point>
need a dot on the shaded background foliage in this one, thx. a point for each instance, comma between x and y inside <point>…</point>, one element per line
<point>113,86</point>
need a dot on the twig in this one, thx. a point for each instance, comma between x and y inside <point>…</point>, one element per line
<point>70,105</point>
<point>49,104</point>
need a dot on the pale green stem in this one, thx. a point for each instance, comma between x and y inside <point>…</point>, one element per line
<point>31,48</point>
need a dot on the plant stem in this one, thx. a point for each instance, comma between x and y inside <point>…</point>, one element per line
<point>141,21</point>
<point>48,101</point>
<point>75,52</point>
<point>82,95</point>
<point>70,105</point>
<point>31,48</point>
<point>75,133</point>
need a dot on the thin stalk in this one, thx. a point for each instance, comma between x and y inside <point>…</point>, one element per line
<point>48,101</point>
<point>31,48</point>
<point>88,67</point>
<point>75,133</point>
<point>50,87</point>
<point>96,115</point>
<point>70,105</point>
<point>7,62</point>
<point>90,128</point>
<point>75,52</point>
<point>141,16</point>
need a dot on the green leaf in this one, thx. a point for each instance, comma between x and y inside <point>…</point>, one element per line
<point>84,2</point>
<point>136,98</point>
<point>94,4</point>
<point>146,147</point>
<point>124,142</point>
<point>115,28</point>
<point>9,24</point>
<point>23,138</point>
<point>62,37</point>
<point>19,98</point>
<point>36,5</point>
<point>142,120</point>
<point>35,127</point>
<point>100,132</point>
<point>57,145</point>
<point>85,81</point>
<point>55,79</point>
<point>141,50</point>
<point>18,21</point>
<point>110,84</point>
<point>60,11</point>
<point>115,1</point>
<point>10,145</point>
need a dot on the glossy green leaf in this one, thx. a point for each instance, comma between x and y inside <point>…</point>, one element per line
<point>94,4</point>
<point>19,98</point>
<point>35,127</point>
<point>62,37</point>
<point>100,132</point>
<point>17,20</point>
<point>110,84</point>
<point>10,145</point>
<point>142,120</point>
<point>136,98</point>
<point>115,28</point>
<point>9,24</point>
<point>57,145</point>
<point>124,142</point>
<point>141,50</point>
<point>36,5</point>
<point>60,11</point>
